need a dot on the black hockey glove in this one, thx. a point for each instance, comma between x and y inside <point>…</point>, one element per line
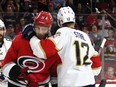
<point>12,70</point>
<point>28,31</point>
<point>22,76</point>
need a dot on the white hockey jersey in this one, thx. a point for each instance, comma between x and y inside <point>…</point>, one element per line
<point>3,50</point>
<point>77,55</point>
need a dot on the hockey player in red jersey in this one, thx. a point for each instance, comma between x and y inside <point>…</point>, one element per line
<point>80,61</point>
<point>20,66</point>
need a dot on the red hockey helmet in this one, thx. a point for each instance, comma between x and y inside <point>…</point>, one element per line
<point>43,19</point>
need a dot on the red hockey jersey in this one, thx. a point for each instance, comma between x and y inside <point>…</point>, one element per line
<point>21,53</point>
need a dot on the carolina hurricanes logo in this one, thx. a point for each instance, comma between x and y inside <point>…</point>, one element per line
<point>34,64</point>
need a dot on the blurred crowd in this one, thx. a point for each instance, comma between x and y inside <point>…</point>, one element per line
<point>88,12</point>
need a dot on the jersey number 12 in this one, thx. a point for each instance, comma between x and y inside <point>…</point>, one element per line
<point>80,46</point>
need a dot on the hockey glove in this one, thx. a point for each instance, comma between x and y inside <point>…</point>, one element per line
<point>31,78</point>
<point>28,31</point>
<point>13,71</point>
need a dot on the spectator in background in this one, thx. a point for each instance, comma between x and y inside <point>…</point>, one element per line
<point>80,8</point>
<point>97,39</point>
<point>110,45</point>
<point>43,5</point>
<point>27,6</point>
<point>18,5</point>
<point>21,23</point>
<point>92,20</point>
<point>11,3</point>
<point>54,16</point>
<point>84,2</point>
<point>2,2</point>
<point>114,6</point>
<point>107,25</point>
<point>81,12</point>
<point>35,11</point>
<point>10,32</point>
<point>27,9</point>
<point>84,29</point>
<point>9,16</point>
<point>50,7</point>
<point>70,4</point>
<point>57,4</point>
<point>109,75</point>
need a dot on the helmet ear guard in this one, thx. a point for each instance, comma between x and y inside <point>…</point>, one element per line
<point>59,23</point>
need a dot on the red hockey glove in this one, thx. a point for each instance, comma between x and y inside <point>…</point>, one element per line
<point>24,70</point>
<point>31,78</point>
<point>32,82</point>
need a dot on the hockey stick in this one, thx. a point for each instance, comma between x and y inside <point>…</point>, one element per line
<point>102,46</point>
<point>102,83</point>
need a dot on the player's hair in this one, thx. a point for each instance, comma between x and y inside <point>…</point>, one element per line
<point>67,24</point>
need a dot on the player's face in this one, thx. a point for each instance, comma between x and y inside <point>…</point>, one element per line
<point>1,34</point>
<point>41,31</point>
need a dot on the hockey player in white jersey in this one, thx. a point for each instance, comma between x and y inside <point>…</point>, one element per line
<point>4,46</point>
<point>80,62</point>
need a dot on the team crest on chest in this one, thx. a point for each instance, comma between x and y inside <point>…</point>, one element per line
<point>34,64</point>
<point>57,34</point>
